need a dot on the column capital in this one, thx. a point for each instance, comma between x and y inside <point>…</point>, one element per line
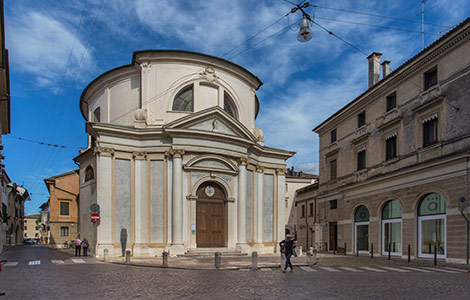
<point>139,155</point>
<point>281,171</point>
<point>259,169</point>
<point>243,161</point>
<point>103,151</point>
<point>176,153</point>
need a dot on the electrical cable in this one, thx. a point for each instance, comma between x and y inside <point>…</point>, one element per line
<point>43,143</point>
<point>380,16</point>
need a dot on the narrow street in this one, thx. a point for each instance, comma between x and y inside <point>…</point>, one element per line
<point>36,272</point>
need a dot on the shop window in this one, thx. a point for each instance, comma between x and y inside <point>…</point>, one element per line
<point>391,147</point>
<point>64,231</point>
<point>432,226</point>
<point>391,101</point>
<point>391,228</point>
<point>430,131</point>
<point>361,119</point>
<point>430,78</point>
<point>333,135</point>
<point>184,100</point>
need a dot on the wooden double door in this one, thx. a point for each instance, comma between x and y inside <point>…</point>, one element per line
<point>210,216</point>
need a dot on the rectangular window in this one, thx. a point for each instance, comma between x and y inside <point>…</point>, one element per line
<point>333,135</point>
<point>303,211</point>
<point>64,231</point>
<point>333,169</point>
<point>310,209</point>
<point>361,119</point>
<point>429,131</point>
<point>391,101</point>
<point>391,147</point>
<point>64,208</point>
<point>361,159</point>
<point>430,78</point>
<point>333,204</point>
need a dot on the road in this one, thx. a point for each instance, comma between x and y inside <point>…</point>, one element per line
<point>36,272</point>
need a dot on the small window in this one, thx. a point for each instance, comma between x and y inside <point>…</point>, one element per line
<point>361,119</point>
<point>333,169</point>
<point>430,131</point>
<point>64,231</point>
<point>184,100</point>
<point>303,211</point>
<point>391,147</point>
<point>64,208</point>
<point>26,228</point>
<point>391,101</point>
<point>430,78</point>
<point>89,174</point>
<point>333,204</point>
<point>333,135</point>
<point>228,105</point>
<point>310,209</point>
<point>97,115</point>
<point>361,159</point>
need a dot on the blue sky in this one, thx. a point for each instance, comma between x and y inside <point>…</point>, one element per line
<point>58,47</point>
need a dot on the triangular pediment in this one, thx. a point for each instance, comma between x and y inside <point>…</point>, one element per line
<point>212,120</point>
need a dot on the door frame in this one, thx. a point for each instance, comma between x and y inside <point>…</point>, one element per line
<point>388,221</point>
<point>368,236</point>
<point>432,217</point>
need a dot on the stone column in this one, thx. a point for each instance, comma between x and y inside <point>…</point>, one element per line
<point>258,209</point>
<point>241,222</point>
<point>281,211</point>
<point>140,202</point>
<point>177,245</point>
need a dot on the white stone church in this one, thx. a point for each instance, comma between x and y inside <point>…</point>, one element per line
<point>174,158</point>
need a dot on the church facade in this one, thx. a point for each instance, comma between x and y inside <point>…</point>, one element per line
<point>175,159</point>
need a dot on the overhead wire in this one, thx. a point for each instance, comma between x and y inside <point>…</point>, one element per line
<point>42,143</point>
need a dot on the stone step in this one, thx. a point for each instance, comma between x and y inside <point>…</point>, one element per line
<point>211,253</point>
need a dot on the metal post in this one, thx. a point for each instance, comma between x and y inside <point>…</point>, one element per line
<point>165,259</point>
<point>344,248</point>
<point>435,255</point>
<point>371,250</point>
<point>326,247</point>
<point>254,260</point>
<point>409,253</point>
<point>217,260</point>
<point>389,246</point>
<point>94,238</point>
<point>128,256</point>
<point>105,254</point>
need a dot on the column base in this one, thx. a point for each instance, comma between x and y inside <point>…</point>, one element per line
<point>176,249</point>
<point>243,248</point>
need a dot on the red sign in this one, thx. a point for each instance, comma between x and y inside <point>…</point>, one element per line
<point>95,217</point>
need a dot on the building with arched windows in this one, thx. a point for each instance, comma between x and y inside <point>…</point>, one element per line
<point>394,162</point>
<point>175,159</point>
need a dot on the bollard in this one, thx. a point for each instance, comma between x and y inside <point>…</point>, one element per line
<point>165,259</point>
<point>314,257</point>
<point>344,248</point>
<point>371,250</point>
<point>308,254</point>
<point>326,247</point>
<point>105,253</point>
<point>409,255</point>
<point>254,260</point>
<point>300,250</point>
<point>128,256</point>
<point>389,254</point>
<point>217,260</point>
<point>435,255</point>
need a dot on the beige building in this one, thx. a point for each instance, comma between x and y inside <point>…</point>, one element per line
<point>17,196</point>
<point>394,162</point>
<point>63,208</point>
<point>175,160</point>
<point>31,228</point>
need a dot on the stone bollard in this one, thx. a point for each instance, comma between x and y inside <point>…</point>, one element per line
<point>106,254</point>
<point>309,257</point>
<point>128,256</point>
<point>217,260</point>
<point>165,259</point>
<point>300,250</point>
<point>254,260</point>
<point>314,257</point>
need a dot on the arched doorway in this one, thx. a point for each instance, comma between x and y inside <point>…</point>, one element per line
<point>210,215</point>
<point>432,226</point>
<point>391,228</point>
<point>361,222</point>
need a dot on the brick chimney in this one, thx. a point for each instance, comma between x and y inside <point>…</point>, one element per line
<point>374,68</point>
<point>385,68</point>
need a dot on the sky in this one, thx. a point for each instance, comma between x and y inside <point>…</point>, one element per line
<point>57,47</point>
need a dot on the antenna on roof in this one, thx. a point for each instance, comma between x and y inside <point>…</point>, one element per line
<point>423,2</point>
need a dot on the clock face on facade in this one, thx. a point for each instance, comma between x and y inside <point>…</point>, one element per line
<point>210,191</point>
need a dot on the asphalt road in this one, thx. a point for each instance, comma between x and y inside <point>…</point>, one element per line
<point>36,272</point>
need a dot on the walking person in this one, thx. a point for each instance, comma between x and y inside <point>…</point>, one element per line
<point>288,244</point>
<point>85,246</point>
<point>78,246</point>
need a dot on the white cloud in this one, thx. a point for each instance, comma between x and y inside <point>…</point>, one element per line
<point>41,45</point>
<point>311,168</point>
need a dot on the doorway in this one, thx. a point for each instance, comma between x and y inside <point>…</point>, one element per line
<point>210,216</point>
<point>333,236</point>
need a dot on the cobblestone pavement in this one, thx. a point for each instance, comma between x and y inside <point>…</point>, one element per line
<point>333,277</point>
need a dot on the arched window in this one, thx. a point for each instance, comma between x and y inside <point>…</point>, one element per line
<point>89,174</point>
<point>391,228</point>
<point>184,100</point>
<point>361,222</point>
<point>97,115</point>
<point>432,226</point>
<point>229,106</point>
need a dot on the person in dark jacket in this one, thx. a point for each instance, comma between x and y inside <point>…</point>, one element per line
<point>288,245</point>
